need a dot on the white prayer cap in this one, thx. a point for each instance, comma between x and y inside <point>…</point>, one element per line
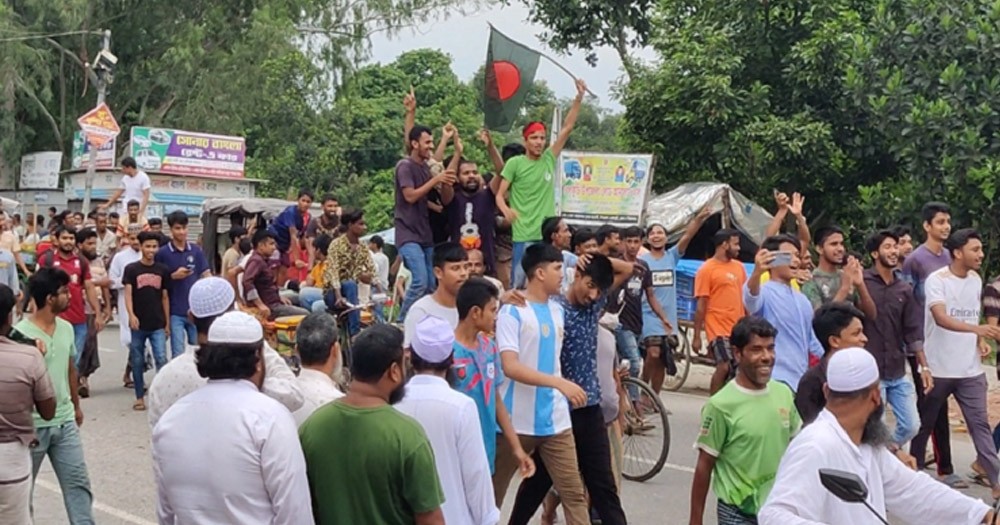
<point>850,370</point>
<point>210,296</point>
<point>433,339</point>
<point>236,327</point>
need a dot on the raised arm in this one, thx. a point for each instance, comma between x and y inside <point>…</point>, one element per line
<point>494,153</point>
<point>570,120</point>
<point>410,120</point>
<point>801,226</point>
<point>448,190</point>
<point>693,228</point>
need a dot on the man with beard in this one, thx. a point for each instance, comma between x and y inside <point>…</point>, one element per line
<point>367,462</point>
<point>718,287</point>
<point>609,241</point>
<point>905,244</point>
<point>955,346</point>
<point>326,224</point>
<point>89,360</point>
<point>131,217</point>
<point>316,344</point>
<point>65,258</point>
<point>530,180</point>
<point>107,241</point>
<point>838,276</point>
<point>472,213</point>
<point>745,428</point>
<point>850,436</point>
<point>898,331</point>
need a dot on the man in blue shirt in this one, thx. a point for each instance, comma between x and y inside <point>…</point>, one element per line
<point>186,264</point>
<point>785,308</point>
<point>583,304</point>
<point>288,228</point>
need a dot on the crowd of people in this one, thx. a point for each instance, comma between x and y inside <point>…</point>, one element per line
<point>514,325</point>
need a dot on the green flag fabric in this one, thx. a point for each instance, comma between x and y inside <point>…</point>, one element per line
<point>510,73</point>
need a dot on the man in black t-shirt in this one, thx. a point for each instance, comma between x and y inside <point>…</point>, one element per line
<point>148,307</point>
<point>627,302</point>
<point>472,213</point>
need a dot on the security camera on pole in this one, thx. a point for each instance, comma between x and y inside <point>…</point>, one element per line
<point>99,125</point>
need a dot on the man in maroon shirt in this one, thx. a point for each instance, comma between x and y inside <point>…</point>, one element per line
<point>259,284</point>
<point>65,258</point>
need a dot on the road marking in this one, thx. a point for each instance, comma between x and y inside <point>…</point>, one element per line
<point>671,466</point>
<point>107,509</point>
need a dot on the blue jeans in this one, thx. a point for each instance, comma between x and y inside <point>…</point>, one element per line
<point>349,291</point>
<point>311,298</point>
<point>137,354</point>
<point>80,340</point>
<point>517,272</point>
<point>179,327</point>
<point>628,348</point>
<point>420,262</point>
<point>65,451</point>
<point>902,397</point>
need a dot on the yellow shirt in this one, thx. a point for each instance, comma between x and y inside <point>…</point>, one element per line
<point>316,274</point>
<point>766,276</point>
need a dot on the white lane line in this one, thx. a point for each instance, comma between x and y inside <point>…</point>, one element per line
<point>107,509</point>
<point>671,466</point>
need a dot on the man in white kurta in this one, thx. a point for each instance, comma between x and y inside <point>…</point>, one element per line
<point>451,421</point>
<point>834,441</point>
<point>316,344</point>
<point>226,453</point>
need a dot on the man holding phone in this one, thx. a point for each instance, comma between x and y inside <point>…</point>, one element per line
<point>186,264</point>
<point>784,307</point>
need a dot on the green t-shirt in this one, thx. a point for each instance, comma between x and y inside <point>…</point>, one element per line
<point>532,193</point>
<point>368,465</point>
<point>60,347</point>
<point>824,286</point>
<point>747,431</point>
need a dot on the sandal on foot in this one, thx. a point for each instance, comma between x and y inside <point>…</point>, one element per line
<point>139,405</point>
<point>954,481</point>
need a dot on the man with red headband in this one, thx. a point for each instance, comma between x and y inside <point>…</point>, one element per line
<point>530,179</point>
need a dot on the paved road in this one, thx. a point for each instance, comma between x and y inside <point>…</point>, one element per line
<point>116,442</point>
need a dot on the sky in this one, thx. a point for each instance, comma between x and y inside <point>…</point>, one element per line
<point>465,37</point>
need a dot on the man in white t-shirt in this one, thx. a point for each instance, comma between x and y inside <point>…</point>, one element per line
<point>381,260</point>
<point>955,344</point>
<point>135,185</point>
<point>451,269</point>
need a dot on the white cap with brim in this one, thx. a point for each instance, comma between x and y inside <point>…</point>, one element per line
<point>236,328</point>
<point>433,339</point>
<point>850,370</point>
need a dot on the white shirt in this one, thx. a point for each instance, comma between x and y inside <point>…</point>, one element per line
<point>426,306</point>
<point>134,187</point>
<point>116,272</point>
<point>451,422</point>
<point>952,354</point>
<point>229,454</point>
<point>179,378</point>
<point>798,497</point>
<point>535,333</point>
<point>106,245</point>
<point>382,269</point>
<point>317,390</point>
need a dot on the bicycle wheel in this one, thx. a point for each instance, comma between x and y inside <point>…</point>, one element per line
<point>646,435</point>
<point>682,358</point>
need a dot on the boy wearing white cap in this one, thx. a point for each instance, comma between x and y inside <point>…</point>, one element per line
<point>210,298</point>
<point>226,452</point>
<point>451,421</point>
<point>850,436</point>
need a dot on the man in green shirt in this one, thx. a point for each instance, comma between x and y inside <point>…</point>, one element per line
<point>745,428</point>
<point>366,461</point>
<point>838,277</point>
<point>530,179</point>
<point>59,437</point>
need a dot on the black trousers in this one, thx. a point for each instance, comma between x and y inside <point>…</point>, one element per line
<point>593,453</point>
<point>940,433</point>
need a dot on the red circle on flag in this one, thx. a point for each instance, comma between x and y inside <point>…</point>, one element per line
<point>508,79</point>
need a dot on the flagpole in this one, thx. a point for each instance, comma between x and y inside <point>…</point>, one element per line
<point>543,55</point>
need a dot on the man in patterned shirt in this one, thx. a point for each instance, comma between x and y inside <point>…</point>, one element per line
<point>349,262</point>
<point>583,304</point>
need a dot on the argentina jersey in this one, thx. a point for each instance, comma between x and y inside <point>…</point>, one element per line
<point>535,333</point>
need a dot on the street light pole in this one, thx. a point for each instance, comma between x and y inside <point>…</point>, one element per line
<point>102,87</point>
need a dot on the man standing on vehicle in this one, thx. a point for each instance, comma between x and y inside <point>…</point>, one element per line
<point>718,287</point>
<point>745,428</point>
<point>134,186</point>
<point>472,213</point>
<point>348,264</point>
<point>328,223</point>
<point>186,263</point>
<point>530,179</point>
<point>662,263</point>
<point>287,229</point>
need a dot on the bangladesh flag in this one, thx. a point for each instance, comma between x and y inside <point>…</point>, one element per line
<point>510,72</point>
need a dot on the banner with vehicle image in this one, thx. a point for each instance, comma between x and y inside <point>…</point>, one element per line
<point>600,188</point>
<point>176,152</point>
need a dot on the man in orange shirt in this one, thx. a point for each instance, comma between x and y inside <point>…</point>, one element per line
<point>718,286</point>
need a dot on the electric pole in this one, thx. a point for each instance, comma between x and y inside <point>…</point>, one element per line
<point>101,75</point>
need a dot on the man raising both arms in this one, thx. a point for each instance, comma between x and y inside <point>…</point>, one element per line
<point>530,179</point>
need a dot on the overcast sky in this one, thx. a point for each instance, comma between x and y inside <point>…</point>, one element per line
<point>464,37</point>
